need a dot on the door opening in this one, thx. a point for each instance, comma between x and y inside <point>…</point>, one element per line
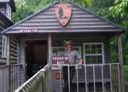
<point>36,56</point>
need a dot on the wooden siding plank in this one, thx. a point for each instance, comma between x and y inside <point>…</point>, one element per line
<point>13,41</point>
<point>14,54</point>
<point>70,27</point>
<point>13,47</point>
<point>73,16</point>
<point>56,23</point>
<point>55,20</point>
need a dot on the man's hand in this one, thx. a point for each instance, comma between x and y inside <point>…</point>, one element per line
<point>80,61</point>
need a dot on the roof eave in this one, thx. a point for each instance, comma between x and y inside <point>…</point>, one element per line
<point>6,19</point>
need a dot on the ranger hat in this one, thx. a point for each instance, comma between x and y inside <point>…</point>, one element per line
<point>68,43</point>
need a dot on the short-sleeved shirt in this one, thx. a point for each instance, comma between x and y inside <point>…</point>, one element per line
<point>74,56</point>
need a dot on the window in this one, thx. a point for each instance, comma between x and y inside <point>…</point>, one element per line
<point>8,11</point>
<point>93,53</point>
<point>4,46</point>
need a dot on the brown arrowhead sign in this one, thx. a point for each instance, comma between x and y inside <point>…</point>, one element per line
<point>63,13</point>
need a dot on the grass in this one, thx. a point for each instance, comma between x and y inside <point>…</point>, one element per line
<point>126,77</point>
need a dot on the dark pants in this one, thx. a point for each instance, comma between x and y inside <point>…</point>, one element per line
<point>65,76</point>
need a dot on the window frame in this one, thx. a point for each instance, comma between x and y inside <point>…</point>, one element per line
<point>4,47</point>
<point>94,43</point>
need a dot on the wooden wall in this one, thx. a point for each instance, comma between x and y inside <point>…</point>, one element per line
<point>13,50</point>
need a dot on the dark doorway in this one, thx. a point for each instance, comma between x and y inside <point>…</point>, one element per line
<point>36,56</point>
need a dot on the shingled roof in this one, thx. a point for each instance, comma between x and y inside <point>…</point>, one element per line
<point>82,20</point>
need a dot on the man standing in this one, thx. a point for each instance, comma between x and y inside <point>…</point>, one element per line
<point>73,56</point>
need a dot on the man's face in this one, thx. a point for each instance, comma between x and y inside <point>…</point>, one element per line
<point>69,47</point>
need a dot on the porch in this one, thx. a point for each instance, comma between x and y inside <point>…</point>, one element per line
<point>106,80</point>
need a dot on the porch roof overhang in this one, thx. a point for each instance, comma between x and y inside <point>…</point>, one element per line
<point>45,21</point>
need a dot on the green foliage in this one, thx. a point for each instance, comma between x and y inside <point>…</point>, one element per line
<point>27,7</point>
<point>88,2</point>
<point>114,50</point>
<point>21,12</point>
<point>120,9</point>
<point>126,59</point>
<point>126,73</point>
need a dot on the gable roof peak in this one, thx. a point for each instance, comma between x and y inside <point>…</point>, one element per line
<point>107,27</point>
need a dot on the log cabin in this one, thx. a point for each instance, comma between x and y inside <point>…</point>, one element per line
<point>7,7</point>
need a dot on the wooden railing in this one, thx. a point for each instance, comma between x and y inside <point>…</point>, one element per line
<point>90,78</point>
<point>40,82</point>
<point>9,77</point>
<point>87,78</point>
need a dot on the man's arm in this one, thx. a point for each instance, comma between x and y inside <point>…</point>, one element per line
<point>79,58</point>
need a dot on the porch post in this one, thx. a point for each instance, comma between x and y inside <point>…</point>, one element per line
<point>8,63</point>
<point>49,60</point>
<point>121,62</point>
<point>49,48</point>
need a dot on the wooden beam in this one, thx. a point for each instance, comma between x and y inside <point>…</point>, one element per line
<point>121,62</point>
<point>18,61</point>
<point>8,50</point>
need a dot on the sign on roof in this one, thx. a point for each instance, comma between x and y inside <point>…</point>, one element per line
<point>63,13</point>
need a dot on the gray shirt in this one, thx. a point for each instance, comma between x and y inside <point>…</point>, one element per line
<point>74,56</point>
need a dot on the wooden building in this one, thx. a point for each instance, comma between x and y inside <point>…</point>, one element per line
<point>6,9</point>
<point>40,36</point>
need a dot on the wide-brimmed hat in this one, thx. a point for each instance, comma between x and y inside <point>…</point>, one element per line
<point>68,43</point>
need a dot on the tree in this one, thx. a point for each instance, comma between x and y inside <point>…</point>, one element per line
<point>119,13</point>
